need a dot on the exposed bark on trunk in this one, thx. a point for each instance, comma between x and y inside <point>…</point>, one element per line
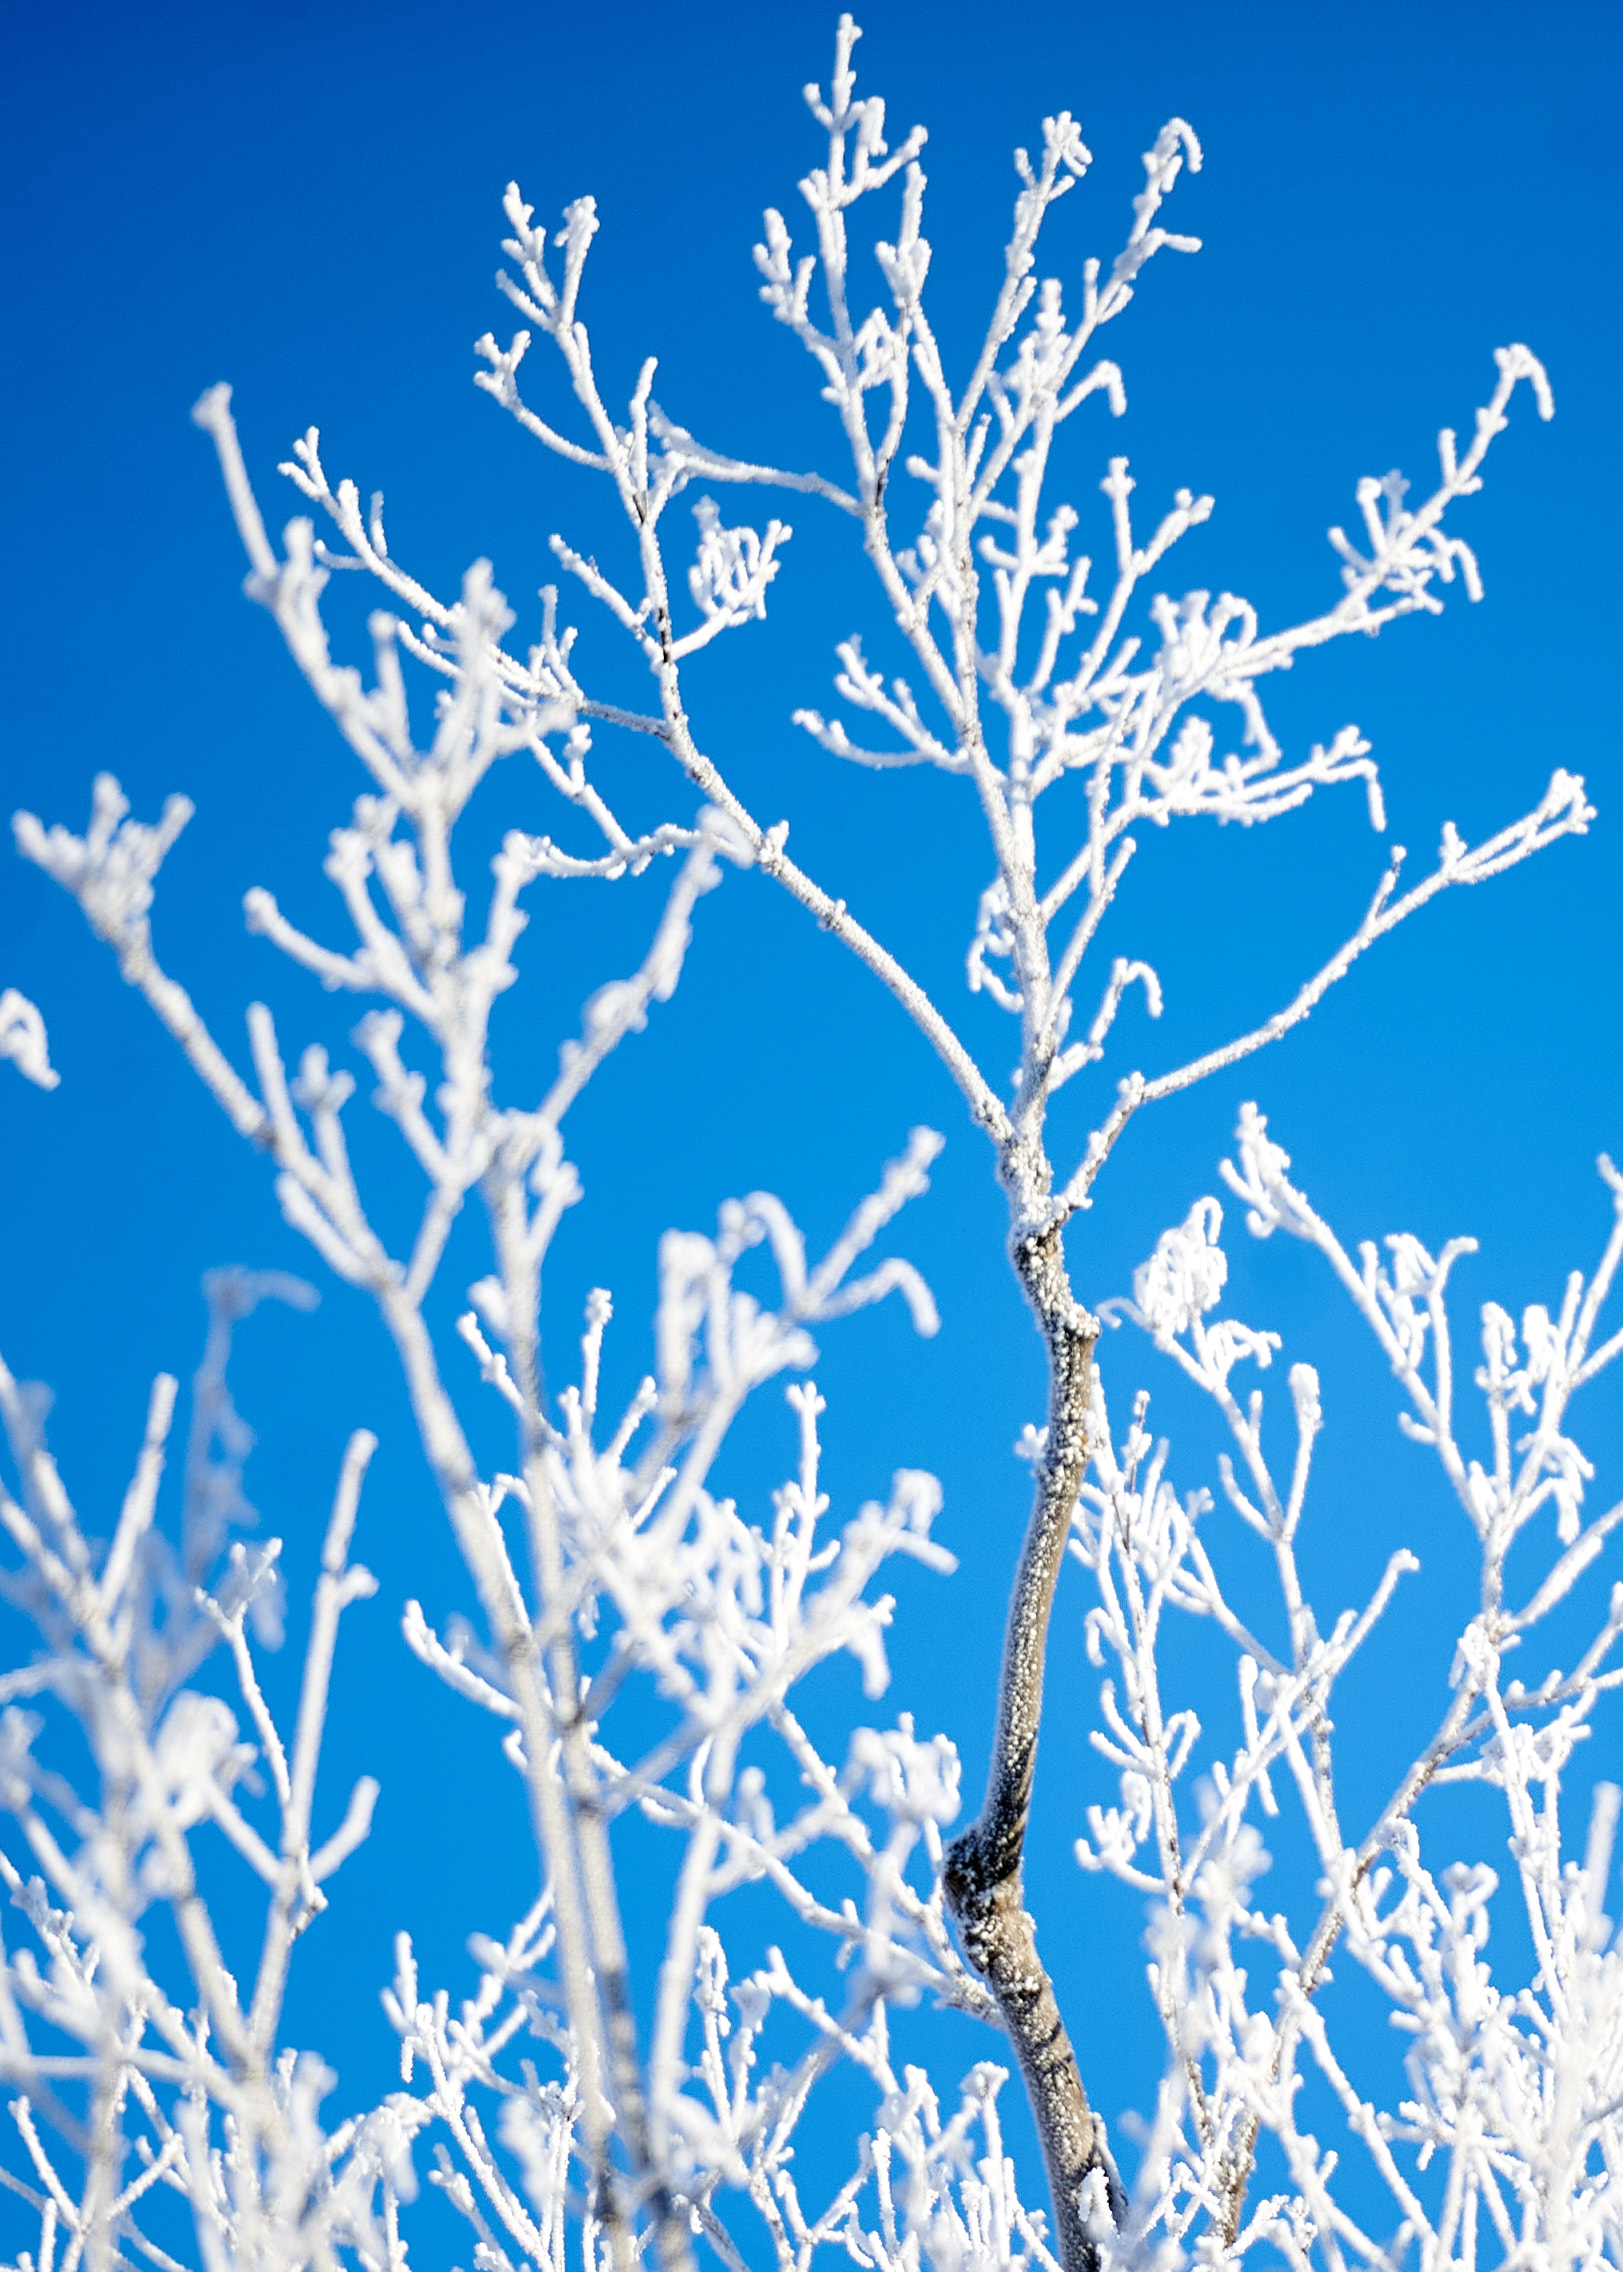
<point>983,1869</point>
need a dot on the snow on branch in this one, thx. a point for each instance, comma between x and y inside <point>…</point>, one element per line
<point>635,1634</point>
<point>1563,811</point>
<point>1530,2075</point>
<point>23,1039</point>
<point>138,2016</point>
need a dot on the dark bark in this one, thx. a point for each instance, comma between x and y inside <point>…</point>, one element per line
<point>982,1875</point>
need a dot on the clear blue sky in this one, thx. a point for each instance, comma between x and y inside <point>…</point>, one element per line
<point>306,200</point>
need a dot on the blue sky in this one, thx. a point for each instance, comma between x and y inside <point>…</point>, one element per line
<point>306,200</point>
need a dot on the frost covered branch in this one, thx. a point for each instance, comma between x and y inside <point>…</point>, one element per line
<point>638,1634</point>
<point>1512,2125</point>
<point>121,1638</point>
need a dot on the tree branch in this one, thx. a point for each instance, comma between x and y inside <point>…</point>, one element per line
<point>983,1870</point>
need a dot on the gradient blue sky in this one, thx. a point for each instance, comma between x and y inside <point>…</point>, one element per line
<point>306,200</point>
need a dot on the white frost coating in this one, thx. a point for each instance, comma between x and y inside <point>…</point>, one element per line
<point>23,1039</point>
<point>720,1617</point>
<point>1512,2133</point>
<point>637,1633</point>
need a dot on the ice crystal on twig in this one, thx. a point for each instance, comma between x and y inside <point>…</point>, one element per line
<point>638,1632</point>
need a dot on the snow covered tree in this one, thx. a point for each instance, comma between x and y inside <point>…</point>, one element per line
<point>640,1632</point>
